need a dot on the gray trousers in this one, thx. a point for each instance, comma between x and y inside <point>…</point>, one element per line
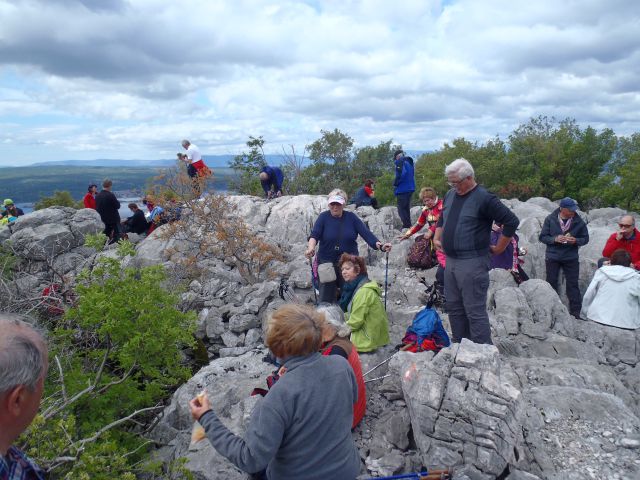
<point>466,282</point>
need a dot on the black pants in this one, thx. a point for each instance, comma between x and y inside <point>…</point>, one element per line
<point>112,231</point>
<point>404,208</point>
<point>571,269</point>
<point>329,291</point>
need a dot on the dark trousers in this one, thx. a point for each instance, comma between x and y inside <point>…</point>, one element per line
<point>329,290</point>
<point>440,279</point>
<point>571,269</point>
<point>404,208</point>
<point>112,231</point>
<point>466,282</point>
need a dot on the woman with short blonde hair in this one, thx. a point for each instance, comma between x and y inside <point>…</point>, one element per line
<point>304,419</point>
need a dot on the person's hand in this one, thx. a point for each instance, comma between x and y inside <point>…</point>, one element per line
<point>282,370</point>
<point>561,239</point>
<point>309,252</point>
<point>618,236</point>
<point>385,247</point>
<point>403,237</point>
<point>570,240</point>
<point>438,245</point>
<point>199,405</point>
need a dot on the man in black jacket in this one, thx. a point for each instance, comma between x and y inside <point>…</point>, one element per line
<point>107,206</point>
<point>136,223</point>
<point>463,231</point>
<point>564,232</point>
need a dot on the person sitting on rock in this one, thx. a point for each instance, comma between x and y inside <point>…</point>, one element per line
<point>335,341</point>
<point>628,238</point>
<point>365,196</point>
<point>271,179</point>
<point>429,215</point>
<point>10,213</point>
<point>362,301</point>
<point>136,223</point>
<point>302,428</point>
<point>613,297</point>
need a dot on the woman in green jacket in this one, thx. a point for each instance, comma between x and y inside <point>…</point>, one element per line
<point>361,300</point>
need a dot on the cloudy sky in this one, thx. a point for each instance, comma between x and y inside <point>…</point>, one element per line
<point>86,79</point>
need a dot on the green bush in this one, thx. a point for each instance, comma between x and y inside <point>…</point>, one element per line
<point>58,199</point>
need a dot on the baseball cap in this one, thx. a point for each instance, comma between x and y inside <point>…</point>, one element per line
<point>569,203</point>
<point>8,201</point>
<point>337,199</point>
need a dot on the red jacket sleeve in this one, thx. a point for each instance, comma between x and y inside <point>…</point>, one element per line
<point>611,246</point>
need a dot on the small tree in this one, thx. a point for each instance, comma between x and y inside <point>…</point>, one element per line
<point>249,166</point>
<point>116,357</point>
<point>59,198</point>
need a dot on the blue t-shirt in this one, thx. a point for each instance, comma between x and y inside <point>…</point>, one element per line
<point>336,236</point>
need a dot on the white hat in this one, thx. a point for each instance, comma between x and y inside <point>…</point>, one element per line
<point>336,199</point>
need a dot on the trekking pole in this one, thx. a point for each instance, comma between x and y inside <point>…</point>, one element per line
<point>386,277</point>
<point>378,365</point>
<point>313,284</point>
<point>377,378</point>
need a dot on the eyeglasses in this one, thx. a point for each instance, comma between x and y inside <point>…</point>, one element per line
<point>622,225</point>
<point>455,184</point>
<point>335,204</point>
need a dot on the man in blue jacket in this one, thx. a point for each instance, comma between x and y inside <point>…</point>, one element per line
<point>271,179</point>
<point>404,186</point>
<point>564,232</point>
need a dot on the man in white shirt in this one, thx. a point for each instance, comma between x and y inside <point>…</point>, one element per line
<point>195,165</point>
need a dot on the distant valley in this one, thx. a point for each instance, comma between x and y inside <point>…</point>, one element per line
<point>28,184</point>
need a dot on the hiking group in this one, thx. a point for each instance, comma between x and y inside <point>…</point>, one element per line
<point>302,428</point>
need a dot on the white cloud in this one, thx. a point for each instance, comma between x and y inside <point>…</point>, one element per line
<point>130,79</point>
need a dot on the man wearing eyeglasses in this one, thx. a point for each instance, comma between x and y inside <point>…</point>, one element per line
<point>463,231</point>
<point>627,238</point>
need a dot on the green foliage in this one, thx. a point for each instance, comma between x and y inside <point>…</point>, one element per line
<point>8,262</point>
<point>248,165</point>
<point>120,352</point>
<point>60,199</point>
<point>96,241</point>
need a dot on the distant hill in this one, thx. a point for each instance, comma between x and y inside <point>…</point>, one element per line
<point>214,161</point>
<point>29,184</point>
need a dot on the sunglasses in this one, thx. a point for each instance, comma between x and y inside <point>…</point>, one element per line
<point>622,225</point>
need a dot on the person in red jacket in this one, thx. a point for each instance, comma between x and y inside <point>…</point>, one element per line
<point>90,198</point>
<point>335,341</point>
<point>430,214</point>
<point>627,238</point>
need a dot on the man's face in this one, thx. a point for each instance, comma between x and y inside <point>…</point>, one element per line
<point>459,184</point>
<point>566,213</point>
<point>626,226</point>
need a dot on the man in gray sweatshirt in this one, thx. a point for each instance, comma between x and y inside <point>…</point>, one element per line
<point>464,232</point>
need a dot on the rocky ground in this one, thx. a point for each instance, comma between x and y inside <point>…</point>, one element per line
<point>555,398</point>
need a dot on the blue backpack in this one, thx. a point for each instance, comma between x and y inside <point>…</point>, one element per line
<point>426,331</point>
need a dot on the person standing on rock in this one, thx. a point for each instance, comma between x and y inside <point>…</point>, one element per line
<point>23,368</point>
<point>107,205</point>
<point>336,232</point>
<point>463,232</point>
<point>89,199</point>
<point>302,428</point>
<point>564,231</point>
<point>404,186</point>
<point>196,168</point>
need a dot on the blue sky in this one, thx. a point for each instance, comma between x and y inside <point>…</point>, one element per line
<point>129,79</point>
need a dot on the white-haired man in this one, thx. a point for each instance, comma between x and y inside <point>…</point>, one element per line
<point>463,232</point>
<point>23,367</point>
